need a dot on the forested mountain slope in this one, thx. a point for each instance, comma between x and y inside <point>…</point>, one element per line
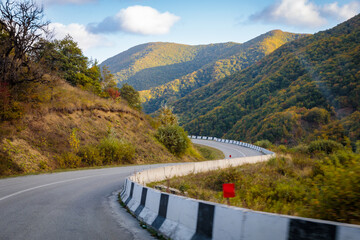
<point>153,64</point>
<point>238,58</point>
<point>307,88</point>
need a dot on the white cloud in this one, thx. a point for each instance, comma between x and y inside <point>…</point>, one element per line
<point>341,13</point>
<point>137,19</point>
<point>305,13</point>
<point>80,35</point>
<point>298,13</point>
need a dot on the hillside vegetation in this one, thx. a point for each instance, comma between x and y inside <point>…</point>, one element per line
<point>164,72</point>
<point>68,127</point>
<point>58,109</point>
<point>153,64</point>
<point>307,89</point>
<point>320,180</point>
<point>230,61</point>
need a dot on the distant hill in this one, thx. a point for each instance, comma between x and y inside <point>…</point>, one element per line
<point>307,88</point>
<point>153,64</point>
<point>236,59</point>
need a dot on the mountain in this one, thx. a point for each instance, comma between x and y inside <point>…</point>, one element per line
<point>240,57</point>
<point>306,89</point>
<point>153,64</point>
<point>169,71</point>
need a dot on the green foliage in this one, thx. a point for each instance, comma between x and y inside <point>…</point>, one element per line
<point>229,175</point>
<point>74,140</point>
<point>326,146</point>
<point>7,166</point>
<point>107,79</point>
<point>128,93</point>
<point>209,153</point>
<point>90,156</point>
<point>296,93</point>
<point>221,60</point>
<point>264,144</point>
<point>338,196</point>
<point>174,138</point>
<point>322,186</point>
<point>317,115</point>
<point>166,116</point>
<point>68,160</point>
<point>116,151</point>
<point>13,110</point>
<point>66,59</point>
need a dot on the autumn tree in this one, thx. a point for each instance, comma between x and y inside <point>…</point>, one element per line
<point>21,29</point>
<point>113,93</point>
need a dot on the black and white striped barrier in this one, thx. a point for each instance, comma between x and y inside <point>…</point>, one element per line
<point>239,143</point>
<point>183,218</point>
<point>179,217</point>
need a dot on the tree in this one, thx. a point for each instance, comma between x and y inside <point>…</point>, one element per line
<point>166,116</point>
<point>65,58</point>
<point>113,93</point>
<point>131,96</point>
<point>21,29</point>
<point>108,80</point>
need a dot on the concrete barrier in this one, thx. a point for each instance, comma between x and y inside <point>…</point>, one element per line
<point>179,217</point>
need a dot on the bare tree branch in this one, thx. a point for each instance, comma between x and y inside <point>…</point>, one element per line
<point>21,29</point>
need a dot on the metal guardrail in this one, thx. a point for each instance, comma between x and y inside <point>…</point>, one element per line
<point>239,143</point>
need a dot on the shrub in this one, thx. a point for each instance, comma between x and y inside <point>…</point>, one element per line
<point>174,138</point>
<point>337,197</point>
<point>69,160</point>
<point>344,158</point>
<point>301,148</point>
<point>115,151</point>
<point>317,115</point>
<point>90,156</point>
<point>326,146</point>
<point>263,143</point>
<point>14,111</point>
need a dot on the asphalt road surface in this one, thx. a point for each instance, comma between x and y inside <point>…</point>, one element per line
<point>229,149</point>
<point>77,204</point>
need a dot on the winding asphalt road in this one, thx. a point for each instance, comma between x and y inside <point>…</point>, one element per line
<point>77,204</point>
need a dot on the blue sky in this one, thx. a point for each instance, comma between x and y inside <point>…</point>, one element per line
<point>104,28</point>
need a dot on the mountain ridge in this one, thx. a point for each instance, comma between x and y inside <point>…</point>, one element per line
<point>247,54</point>
<point>271,99</point>
<point>164,72</point>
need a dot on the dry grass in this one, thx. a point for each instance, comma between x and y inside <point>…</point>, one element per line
<point>37,139</point>
<point>325,186</point>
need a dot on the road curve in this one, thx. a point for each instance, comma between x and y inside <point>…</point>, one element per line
<point>75,205</point>
<point>229,149</point>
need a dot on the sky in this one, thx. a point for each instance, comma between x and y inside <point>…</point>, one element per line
<point>104,28</point>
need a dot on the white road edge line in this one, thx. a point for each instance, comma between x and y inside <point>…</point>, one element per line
<point>49,184</point>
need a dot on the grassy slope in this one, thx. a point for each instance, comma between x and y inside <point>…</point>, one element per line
<point>33,142</point>
<point>209,153</point>
<point>269,99</point>
<point>232,60</point>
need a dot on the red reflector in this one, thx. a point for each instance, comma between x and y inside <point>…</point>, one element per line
<point>229,190</point>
